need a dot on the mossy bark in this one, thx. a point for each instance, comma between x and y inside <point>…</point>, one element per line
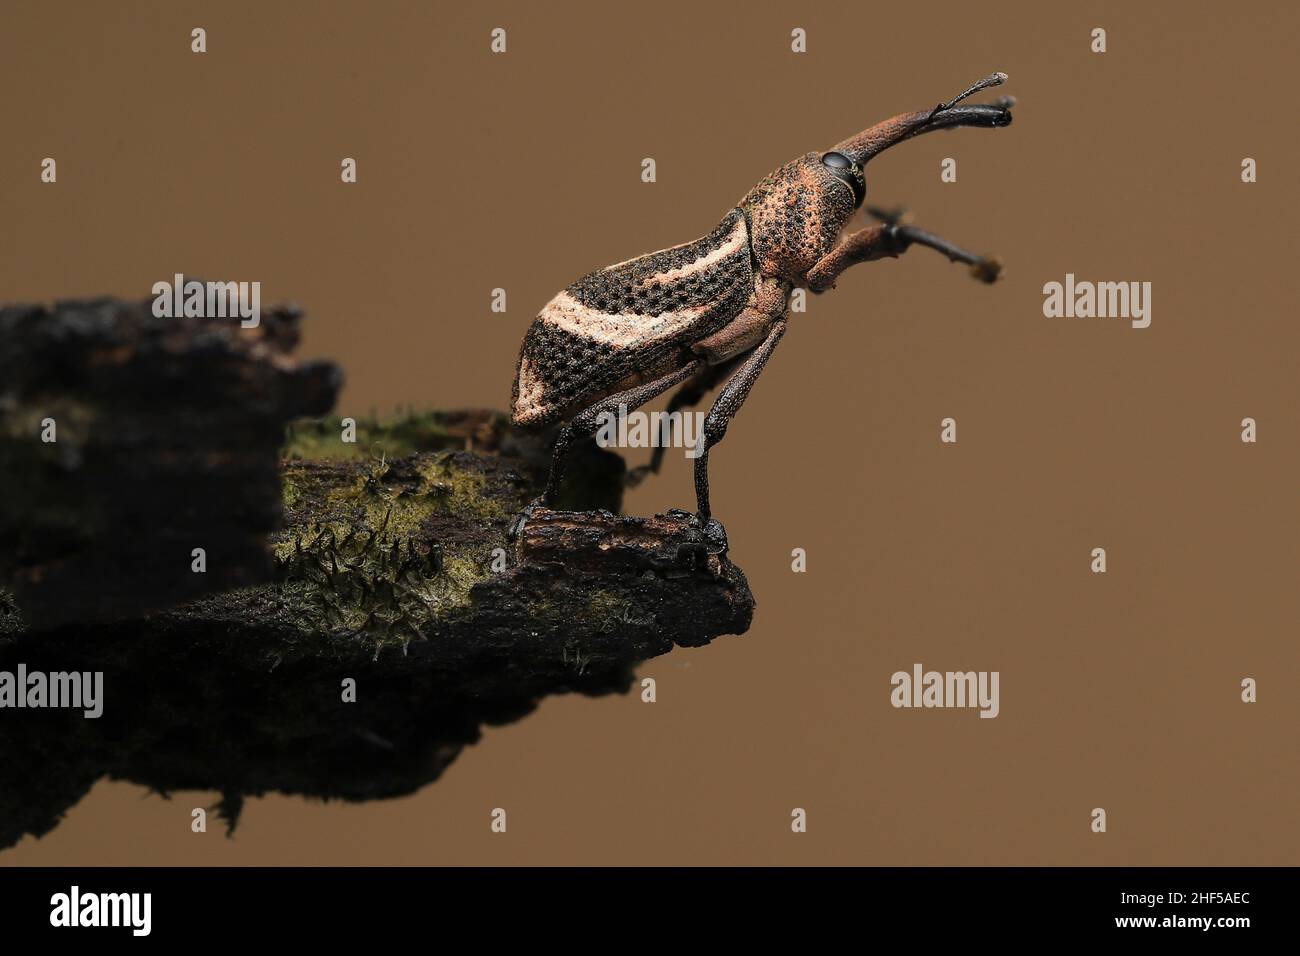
<point>403,577</point>
<point>389,561</point>
<point>415,556</point>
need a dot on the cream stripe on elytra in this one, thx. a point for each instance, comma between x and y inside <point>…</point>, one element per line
<point>740,225</point>
<point>735,242</point>
<point>532,388</point>
<point>567,313</point>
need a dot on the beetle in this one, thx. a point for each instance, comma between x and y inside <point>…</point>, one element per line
<point>714,309</point>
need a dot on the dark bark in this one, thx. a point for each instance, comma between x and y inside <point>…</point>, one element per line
<point>167,432</point>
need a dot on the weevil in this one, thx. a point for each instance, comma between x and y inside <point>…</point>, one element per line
<point>713,310</point>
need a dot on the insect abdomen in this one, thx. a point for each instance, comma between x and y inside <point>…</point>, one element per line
<point>630,320</point>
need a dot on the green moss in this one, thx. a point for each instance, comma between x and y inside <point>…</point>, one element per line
<point>457,490</point>
<point>394,436</point>
<point>363,553</point>
<point>608,609</point>
<point>404,508</point>
<point>462,573</point>
<point>302,485</point>
<point>364,572</point>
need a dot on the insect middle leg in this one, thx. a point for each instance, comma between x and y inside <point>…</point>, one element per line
<point>586,423</point>
<point>688,396</point>
<point>724,409</point>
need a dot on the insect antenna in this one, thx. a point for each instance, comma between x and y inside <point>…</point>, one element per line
<point>995,79</point>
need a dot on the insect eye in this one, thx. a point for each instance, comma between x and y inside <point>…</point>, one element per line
<point>847,172</point>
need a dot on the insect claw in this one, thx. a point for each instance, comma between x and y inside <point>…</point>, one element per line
<point>716,536</point>
<point>987,269</point>
<point>517,528</point>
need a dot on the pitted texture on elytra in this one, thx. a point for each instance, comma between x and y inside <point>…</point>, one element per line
<point>697,273</point>
<point>555,362</point>
<point>617,325</point>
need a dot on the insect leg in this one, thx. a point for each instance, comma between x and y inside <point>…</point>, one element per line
<point>724,409</point>
<point>688,396</point>
<point>586,422</point>
<point>984,268</point>
<point>892,239</point>
<point>865,245</point>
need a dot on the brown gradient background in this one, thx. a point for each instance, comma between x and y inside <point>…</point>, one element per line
<point>522,171</point>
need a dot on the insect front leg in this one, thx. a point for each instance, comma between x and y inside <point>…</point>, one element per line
<point>724,409</point>
<point>865,245</point>
<point>890,240</point>
<point>984,268</point>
